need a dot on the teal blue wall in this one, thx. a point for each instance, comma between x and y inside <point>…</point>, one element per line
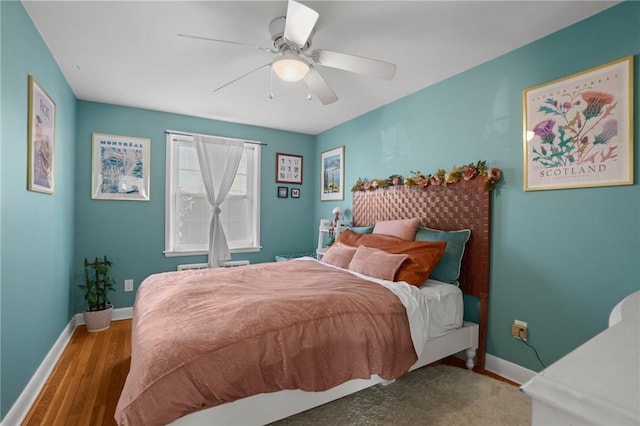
<point>37,236</point>
<point>560,259</point>
<point>131,233</point>
<point>43,238</point>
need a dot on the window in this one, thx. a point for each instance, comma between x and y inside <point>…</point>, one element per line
<point>188,213</point>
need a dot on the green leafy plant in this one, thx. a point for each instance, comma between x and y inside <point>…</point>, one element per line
<point>97,284</point>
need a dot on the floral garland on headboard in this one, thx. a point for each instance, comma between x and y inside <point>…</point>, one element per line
<point>419,180</point>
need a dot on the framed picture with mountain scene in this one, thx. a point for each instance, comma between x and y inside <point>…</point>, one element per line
<point>578,129</point>
<point>332,174</point>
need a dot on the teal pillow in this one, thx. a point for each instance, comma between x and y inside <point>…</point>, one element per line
<point>448,269</point>
<point>362,229</point>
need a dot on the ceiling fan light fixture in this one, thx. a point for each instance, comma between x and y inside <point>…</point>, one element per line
<point>290,67</point>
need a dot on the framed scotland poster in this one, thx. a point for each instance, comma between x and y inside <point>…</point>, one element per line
<point>41,140</point>
<point>120,168</point>
<point>332,174</point>
<point>578,130</point>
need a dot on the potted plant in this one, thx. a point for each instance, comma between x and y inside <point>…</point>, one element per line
<point>98,284</point>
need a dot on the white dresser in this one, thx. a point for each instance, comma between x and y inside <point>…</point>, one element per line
<point>599,382</point>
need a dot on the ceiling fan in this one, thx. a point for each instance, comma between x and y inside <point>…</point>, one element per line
<point>291,39</point>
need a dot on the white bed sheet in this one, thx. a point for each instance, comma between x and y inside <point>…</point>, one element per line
<point>433,310</point>
<point>446,308</point>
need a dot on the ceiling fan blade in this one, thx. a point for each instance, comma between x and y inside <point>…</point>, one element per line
<point>320,88</point>
<point>358,64</point>
<point>242,76</point>
<point>227,41</point>
<point>300,22</point>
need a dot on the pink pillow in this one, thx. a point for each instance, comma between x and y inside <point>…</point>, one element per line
<point>403,228</point>
<point>376,263</point>
<point>423,255</point>
<point>339,255</point>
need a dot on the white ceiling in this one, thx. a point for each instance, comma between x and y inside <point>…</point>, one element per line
<point>128,53</point>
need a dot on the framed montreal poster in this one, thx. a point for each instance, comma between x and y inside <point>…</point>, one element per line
<point>41,139</point>
<point>578,130</point>
<point>120,168</point>
<point>332,174</point>
<point>288,168</point>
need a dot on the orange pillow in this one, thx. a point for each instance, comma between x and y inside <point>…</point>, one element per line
<point>403,228</point>
<point>339,255</point>
<point>376,263</point>
<point>423,255</point>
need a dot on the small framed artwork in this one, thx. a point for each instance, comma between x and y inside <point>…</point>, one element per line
<point>578,129</point>
<point>120,168</point>
<point>41,139</point>
<point>295,192</point>
<point>332,174</point>
<point>288,168</point>
<point>283,192</point>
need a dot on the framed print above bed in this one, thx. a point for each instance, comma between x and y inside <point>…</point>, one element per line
<point>578,130</point>
<point>41,139</point>
<point>120,168</point>
<point>288,168</point>
<point>332,174</point>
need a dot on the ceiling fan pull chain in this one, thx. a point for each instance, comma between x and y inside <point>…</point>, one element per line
<point>270,82</point>
<point>309,86</point>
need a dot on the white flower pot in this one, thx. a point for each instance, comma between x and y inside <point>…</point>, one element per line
<point>98,320</point>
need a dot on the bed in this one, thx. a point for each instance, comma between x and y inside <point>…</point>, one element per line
<point>275,381</point>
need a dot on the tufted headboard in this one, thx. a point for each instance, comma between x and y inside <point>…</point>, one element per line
<point>463,205</point>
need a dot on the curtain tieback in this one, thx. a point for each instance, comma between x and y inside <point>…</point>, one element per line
<point>216,210</point>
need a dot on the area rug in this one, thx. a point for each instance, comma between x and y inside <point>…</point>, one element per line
<point>439,395</point>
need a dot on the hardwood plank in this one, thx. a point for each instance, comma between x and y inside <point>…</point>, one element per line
<point>59,392</point>
<point>89,383</point>
<point>120,369</point>
<point>81,389</point>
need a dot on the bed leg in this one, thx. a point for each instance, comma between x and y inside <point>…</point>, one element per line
<point>387,382</point>
<point>471,354</point>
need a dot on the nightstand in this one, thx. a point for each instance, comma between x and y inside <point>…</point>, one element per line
<point>284,257</point>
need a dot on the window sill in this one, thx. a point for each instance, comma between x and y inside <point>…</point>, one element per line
<point>204,253</point>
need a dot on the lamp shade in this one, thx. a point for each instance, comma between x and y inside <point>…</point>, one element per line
<point>290,67</point>
<point>338,211</point>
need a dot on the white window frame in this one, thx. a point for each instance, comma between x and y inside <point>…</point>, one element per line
<point>171,183</point>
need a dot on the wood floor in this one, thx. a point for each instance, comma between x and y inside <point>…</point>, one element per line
<point>85,385</point>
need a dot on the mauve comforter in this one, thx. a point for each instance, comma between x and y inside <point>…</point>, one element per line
<point>202,338</point>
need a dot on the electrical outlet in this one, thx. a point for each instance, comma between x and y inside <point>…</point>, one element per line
<point>519,330</point>
<point>128,285</point>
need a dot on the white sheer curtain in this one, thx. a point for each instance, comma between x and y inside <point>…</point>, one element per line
<point>219,160</point>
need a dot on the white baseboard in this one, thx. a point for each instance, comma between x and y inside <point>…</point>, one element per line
<point>21,407</point>
<point>504,368</point>
<point>118,314</point>
<point>508,370</point>
<point>23,404</point>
